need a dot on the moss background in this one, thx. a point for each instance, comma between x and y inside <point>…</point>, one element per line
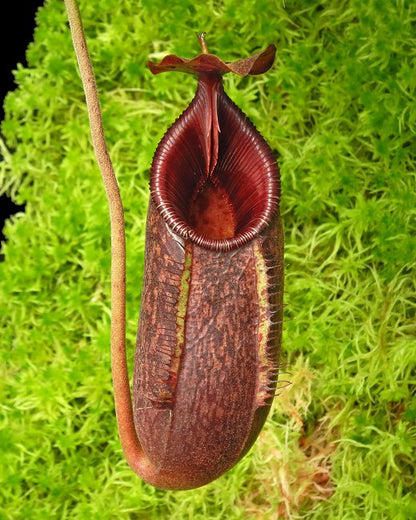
<point>339,109</point>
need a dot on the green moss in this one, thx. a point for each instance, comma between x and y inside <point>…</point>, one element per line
<point>339,109</point>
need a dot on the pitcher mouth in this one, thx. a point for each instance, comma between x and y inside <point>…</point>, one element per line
<point>220,194</point>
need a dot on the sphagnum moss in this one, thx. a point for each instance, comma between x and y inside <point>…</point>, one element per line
<point>339,111</point>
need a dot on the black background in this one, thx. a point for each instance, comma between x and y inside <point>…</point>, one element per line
<point>17,23</point>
